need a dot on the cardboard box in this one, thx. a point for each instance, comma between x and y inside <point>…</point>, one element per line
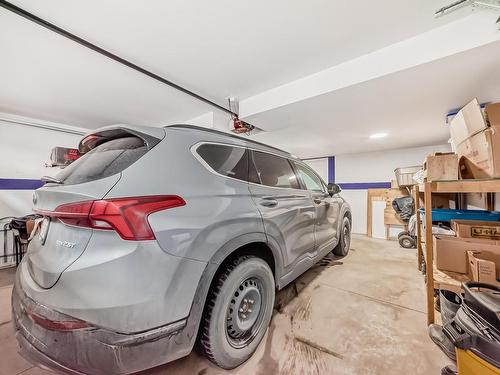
<point>480,155</point>
<point>467,122</point>
<point>477,201</point>
<point>476,229</point>
<point>450,253</point>
<point>492,112</point>
<point>439,200</point>
<point>476,139</point>
<point>441,166</point>
<point>484,266</point>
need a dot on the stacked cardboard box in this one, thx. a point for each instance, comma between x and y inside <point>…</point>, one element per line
<point>475,250</point>
<point>476,138</point>
<point>441,167</point>
<point>484,266</point>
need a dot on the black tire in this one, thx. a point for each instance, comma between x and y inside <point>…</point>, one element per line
<point>403,233</point>
<point>406,241</point>
<point>238,311</point>
<point>344,244</point>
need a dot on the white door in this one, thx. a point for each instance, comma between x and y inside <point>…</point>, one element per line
<point>378,227</point>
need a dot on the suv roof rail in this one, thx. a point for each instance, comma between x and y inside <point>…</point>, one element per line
<point>201,128</point>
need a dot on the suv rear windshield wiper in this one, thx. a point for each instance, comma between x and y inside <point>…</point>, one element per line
<point>51,180</point>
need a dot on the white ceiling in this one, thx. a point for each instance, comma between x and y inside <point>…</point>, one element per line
<point>218,49</point>
<point>227,48</point>
<point>48,77</point>
<point>410,106</point>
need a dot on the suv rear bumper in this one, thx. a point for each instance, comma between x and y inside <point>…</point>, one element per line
<point>92,350</point>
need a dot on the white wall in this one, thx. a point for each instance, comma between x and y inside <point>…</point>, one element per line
<point>375,167</point>
<point>370,167</point>
<point>24,150</point>
<point>215,119</point>
<point>320,166</point>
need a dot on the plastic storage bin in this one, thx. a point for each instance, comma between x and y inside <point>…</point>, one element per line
<point>404,176</point>
<point>448,214</point>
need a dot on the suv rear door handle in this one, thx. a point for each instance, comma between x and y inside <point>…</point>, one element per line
<point>268,202</point>
<point>317,200</point>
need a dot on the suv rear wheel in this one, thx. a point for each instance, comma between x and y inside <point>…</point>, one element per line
<point>238,311</point>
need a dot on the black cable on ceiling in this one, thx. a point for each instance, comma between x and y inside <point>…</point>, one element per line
<point>31,17</point>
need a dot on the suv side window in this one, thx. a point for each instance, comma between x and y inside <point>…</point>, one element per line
<point>227,160</point>
<point>272,170</point>
<point>310,179</point>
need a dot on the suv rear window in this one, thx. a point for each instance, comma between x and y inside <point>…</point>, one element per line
<point>103,161</point>
<point>227,160</point>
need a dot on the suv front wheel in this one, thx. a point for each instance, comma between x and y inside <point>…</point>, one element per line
<point>344,244</point>
<point>238,311</point>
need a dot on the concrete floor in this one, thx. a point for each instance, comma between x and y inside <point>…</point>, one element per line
<point>363,314</point>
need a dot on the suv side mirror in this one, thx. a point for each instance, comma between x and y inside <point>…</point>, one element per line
<point>333,189</point>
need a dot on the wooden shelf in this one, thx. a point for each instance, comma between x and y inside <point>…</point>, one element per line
<point>464,186</point>
<point>437,279</point>
<point>451,281</point>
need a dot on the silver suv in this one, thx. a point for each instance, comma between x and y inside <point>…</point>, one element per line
<point>157,237</point>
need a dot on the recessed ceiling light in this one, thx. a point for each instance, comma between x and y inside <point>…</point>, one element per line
<point>378,135</point>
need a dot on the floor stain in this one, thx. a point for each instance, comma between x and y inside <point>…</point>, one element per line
<point>301,358</point>
<point>267,363</point>
<point>319,347</point>
<point>303,311</point>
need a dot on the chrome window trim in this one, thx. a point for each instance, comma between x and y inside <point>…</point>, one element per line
<point>194,151</point>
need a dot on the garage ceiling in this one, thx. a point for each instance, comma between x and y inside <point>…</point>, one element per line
<point>225,49</point>
<point>410,106</point>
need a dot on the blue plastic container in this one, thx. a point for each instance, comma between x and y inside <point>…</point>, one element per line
<point>447,214</point>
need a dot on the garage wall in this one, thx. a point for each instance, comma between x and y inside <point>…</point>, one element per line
<point>356,173</point>
<point>320,165</point>
<point>24,152</point>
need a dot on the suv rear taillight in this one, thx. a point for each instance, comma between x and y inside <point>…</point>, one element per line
<point>127,216</point>
<point>68,324</point>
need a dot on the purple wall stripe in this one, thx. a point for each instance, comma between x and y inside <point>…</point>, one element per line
<point>331,169</point>
<point>364,185</point>
<point>19,184</point>
<point>32,184</point>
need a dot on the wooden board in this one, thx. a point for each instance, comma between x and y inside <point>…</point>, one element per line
<point>387,195</point>
<point>390,217</point>
<point>420,254</point>
<point>465,186</point>
<point>428,253</point>
<point>451,281</point>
